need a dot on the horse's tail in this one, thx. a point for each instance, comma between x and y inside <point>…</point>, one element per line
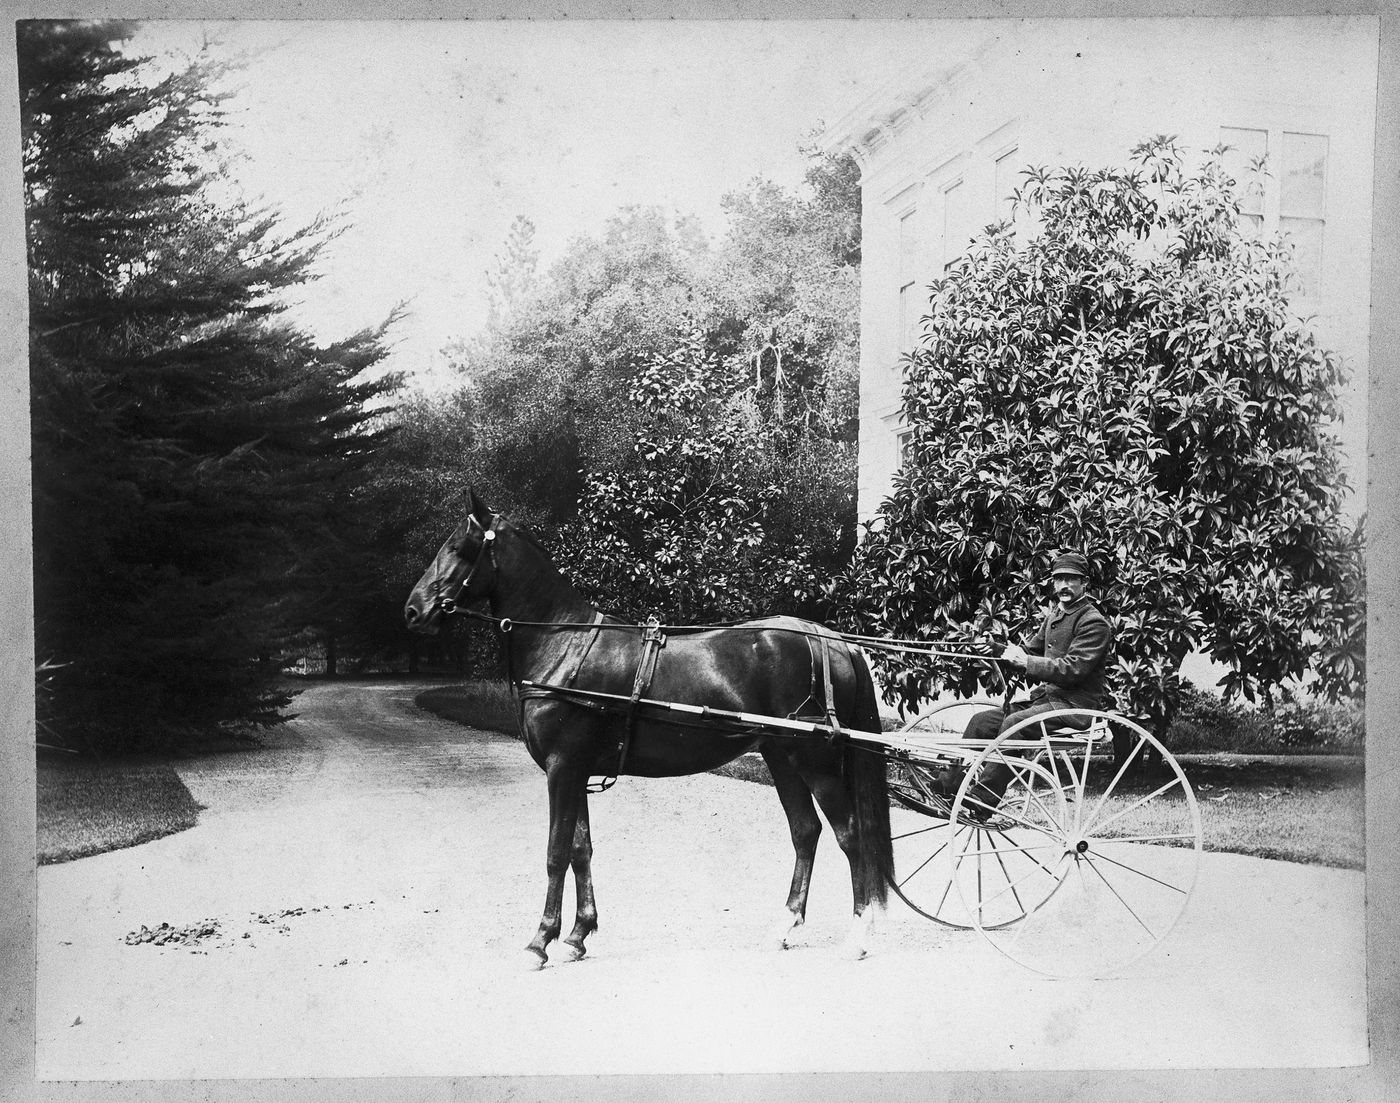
<point>868,789</point>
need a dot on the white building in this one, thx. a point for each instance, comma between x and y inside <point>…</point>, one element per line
<point>941,147</point>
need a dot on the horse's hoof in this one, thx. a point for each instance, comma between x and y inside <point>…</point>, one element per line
<point>534,960</point>
<point>787,933</point>
<point>575,951</point>
<point>853,952</point>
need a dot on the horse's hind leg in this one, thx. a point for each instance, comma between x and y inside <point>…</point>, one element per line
<point>566,791</point>
<point>826,786</point>
<point>581,861</point>
<point>806,828</point>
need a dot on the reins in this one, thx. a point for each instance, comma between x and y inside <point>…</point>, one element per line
<point>449,605</point>
<point>877,643</point>
<point>653,635</point>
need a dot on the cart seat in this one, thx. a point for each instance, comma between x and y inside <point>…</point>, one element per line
<point>1097,731</point>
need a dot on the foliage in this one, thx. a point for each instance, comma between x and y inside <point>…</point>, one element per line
<point>515,274</point>
<point>684,534</point>
<point>1205,721</point>
<point>540,425</point>
<point>539,387</point>
<point>1305,724</point>
<point>1122,376</point>
<point>196,457</point>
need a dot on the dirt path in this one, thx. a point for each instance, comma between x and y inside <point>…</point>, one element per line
<point>364,891</point>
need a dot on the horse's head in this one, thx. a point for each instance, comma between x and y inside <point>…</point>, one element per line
<point>461,572</point>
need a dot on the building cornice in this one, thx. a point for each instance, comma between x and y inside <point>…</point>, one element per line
<point>900,102</point>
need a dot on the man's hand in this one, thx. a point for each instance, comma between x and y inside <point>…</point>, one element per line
<point>1016,655</point>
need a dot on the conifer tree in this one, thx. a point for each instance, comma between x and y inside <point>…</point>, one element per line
<point>196,456</point>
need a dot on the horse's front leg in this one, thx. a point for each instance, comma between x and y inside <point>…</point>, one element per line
<point>586,912</point>
<point>566,791</point>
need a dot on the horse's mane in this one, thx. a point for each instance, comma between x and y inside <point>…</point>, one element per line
<point>530,538</point>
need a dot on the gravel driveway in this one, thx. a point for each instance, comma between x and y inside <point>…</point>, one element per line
<point>356,901</point>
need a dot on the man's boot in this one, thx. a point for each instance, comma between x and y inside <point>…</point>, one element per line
<point>985,795</point>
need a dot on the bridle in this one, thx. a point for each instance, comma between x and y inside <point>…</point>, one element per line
<point>448,604</point>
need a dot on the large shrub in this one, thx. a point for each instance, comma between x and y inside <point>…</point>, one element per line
<point>1121,373</point>
<point>688,532</point>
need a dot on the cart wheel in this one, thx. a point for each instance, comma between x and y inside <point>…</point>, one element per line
<point>924,835</point>
<point>1106,854</point>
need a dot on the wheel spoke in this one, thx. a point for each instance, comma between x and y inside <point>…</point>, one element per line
<point>1028,770</point>
<point>1006,873</point>
<point>1140,873</point>
<point>968,798</point>
<point>1050,844</point>
<point>1011,886</point>
<point>1032,920</point>
<point>1080,788</point>
<point>919,831</point>
<point>919,868</point>
<point>1127,761</point>
<point>1100,825</point>
<point>1099,873</point>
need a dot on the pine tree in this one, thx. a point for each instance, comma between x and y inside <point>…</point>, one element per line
<point>516,272</point>
<point>196,456</point>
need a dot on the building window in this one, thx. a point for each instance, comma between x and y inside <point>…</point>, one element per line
<point>957,220</point>
<point>904,445</point>
<point>1302,202</point>
<point>1281,179</point>
<point>1244,161</point>
<point>1004,183</point>
<point>910,309</point>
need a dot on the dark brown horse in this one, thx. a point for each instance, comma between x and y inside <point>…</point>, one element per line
<point>588,726</point>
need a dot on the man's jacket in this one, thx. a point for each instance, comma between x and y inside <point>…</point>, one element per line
<point>1070,656</point>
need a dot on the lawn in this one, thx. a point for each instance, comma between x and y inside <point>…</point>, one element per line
<point>1296,808</point>
<point>87,807</point>
<point>1299,809</point>
<point>489,706</point>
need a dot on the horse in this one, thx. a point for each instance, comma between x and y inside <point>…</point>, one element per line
<point>579,676</point>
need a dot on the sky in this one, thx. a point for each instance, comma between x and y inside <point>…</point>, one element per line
<point>431,137</point>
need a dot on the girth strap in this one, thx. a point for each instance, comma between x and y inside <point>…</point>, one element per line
<point>819,648</point>
<point>653,640</point>
<point>830,691</point>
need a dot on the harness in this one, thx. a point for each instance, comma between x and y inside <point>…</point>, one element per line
<point>820,703</point>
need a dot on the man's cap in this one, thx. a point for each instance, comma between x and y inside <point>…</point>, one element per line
<point>1070,563</point>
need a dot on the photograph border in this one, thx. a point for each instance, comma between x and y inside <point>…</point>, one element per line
<point>18,879</point>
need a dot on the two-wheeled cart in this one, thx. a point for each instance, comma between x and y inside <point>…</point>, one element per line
<point>1079,866</point>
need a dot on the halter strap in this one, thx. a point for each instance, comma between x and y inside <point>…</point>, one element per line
<point>488,548</point>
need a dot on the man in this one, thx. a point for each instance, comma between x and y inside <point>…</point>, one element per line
<point>1068,658</point>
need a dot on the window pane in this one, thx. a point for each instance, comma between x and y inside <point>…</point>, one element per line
<point>956,231</point>
<point>908,316</point>
<point>1306,236</point>
<point>1005,182</point>
<point>909,246</point>
<point>904,444</point>
<point>1304,175</point>
<point>1242,162</point>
